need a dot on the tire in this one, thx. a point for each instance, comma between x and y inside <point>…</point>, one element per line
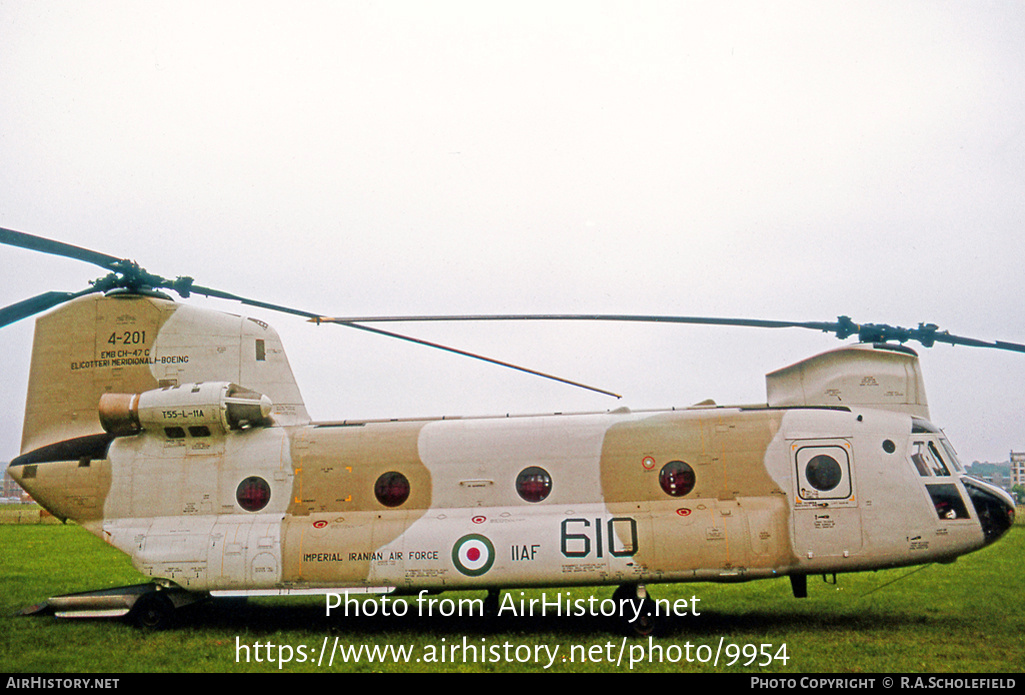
<point>646,622</point>
<point>153,611</point>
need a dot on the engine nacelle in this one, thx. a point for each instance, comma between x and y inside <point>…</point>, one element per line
<point>217,406</point>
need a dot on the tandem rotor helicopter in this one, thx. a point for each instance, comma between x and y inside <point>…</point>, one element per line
<point>179,436</point>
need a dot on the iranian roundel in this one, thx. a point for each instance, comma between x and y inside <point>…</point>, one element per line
<point>473,555</point>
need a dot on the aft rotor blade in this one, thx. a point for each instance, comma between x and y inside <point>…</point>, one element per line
<point>475,356</point>
<point>316,318</point>
<point>210,292</point>
<point>34,305</point>
<point>57,248</point>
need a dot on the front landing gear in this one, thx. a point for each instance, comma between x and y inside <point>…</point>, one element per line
<point>492,603</point>
<point>635,610</point>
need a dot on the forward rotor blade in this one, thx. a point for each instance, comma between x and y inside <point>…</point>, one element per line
<point>638,318</point>
<point>316,318</point>
<point>34,305</point>
<point>973,342</point>
<point>57,248</point>
<point>841,329</point>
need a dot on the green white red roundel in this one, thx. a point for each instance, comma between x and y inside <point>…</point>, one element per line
<point>473,555</point>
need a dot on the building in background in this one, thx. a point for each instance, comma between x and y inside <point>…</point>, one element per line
<point>1017,468</point>
<point>10,490</point>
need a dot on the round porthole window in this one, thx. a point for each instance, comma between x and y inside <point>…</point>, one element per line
<point>533,484</point>
<point>391,489</point>
<point>676,478</point>
<point>823,472</point>
<point>252,494</point>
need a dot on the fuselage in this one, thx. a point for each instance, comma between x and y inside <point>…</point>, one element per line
<point>699,494</point>
<point>179,436</point>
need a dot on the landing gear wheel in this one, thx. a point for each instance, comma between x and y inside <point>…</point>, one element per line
<point>153,611</point>
<point>635,610</point>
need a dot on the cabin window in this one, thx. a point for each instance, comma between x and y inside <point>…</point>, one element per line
<point>253,494</point>
<point>676,478</point>
<point>533,484</point>
<point>391,489</point>
<point>823,472</point>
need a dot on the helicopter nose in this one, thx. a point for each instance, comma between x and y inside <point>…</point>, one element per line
<point>994,507</point>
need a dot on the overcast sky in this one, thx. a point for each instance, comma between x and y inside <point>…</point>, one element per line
<point>779,160</point>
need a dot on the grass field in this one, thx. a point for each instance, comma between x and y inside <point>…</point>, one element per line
<point>963,617</point>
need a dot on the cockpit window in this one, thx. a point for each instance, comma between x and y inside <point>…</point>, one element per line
<point>952,455</point>
<point>948,502</point>
<point>918,458</point>
<point>941,467</point>
<point>927,459</point>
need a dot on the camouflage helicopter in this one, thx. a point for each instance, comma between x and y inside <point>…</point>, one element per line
<point>178,435</point>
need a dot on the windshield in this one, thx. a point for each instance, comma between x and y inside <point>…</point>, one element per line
<point>927,459</point>
<point>951,455</point>
<point>934,457</point>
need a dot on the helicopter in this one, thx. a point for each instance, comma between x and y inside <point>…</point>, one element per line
<point>178,435</point>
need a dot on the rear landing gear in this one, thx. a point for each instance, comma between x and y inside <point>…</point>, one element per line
<point>153,611</point>
<point>150,606</point>
<point>156,607</point>
<point>635,610</point>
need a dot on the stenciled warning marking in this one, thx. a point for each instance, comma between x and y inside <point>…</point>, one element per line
<point>473,555</point>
